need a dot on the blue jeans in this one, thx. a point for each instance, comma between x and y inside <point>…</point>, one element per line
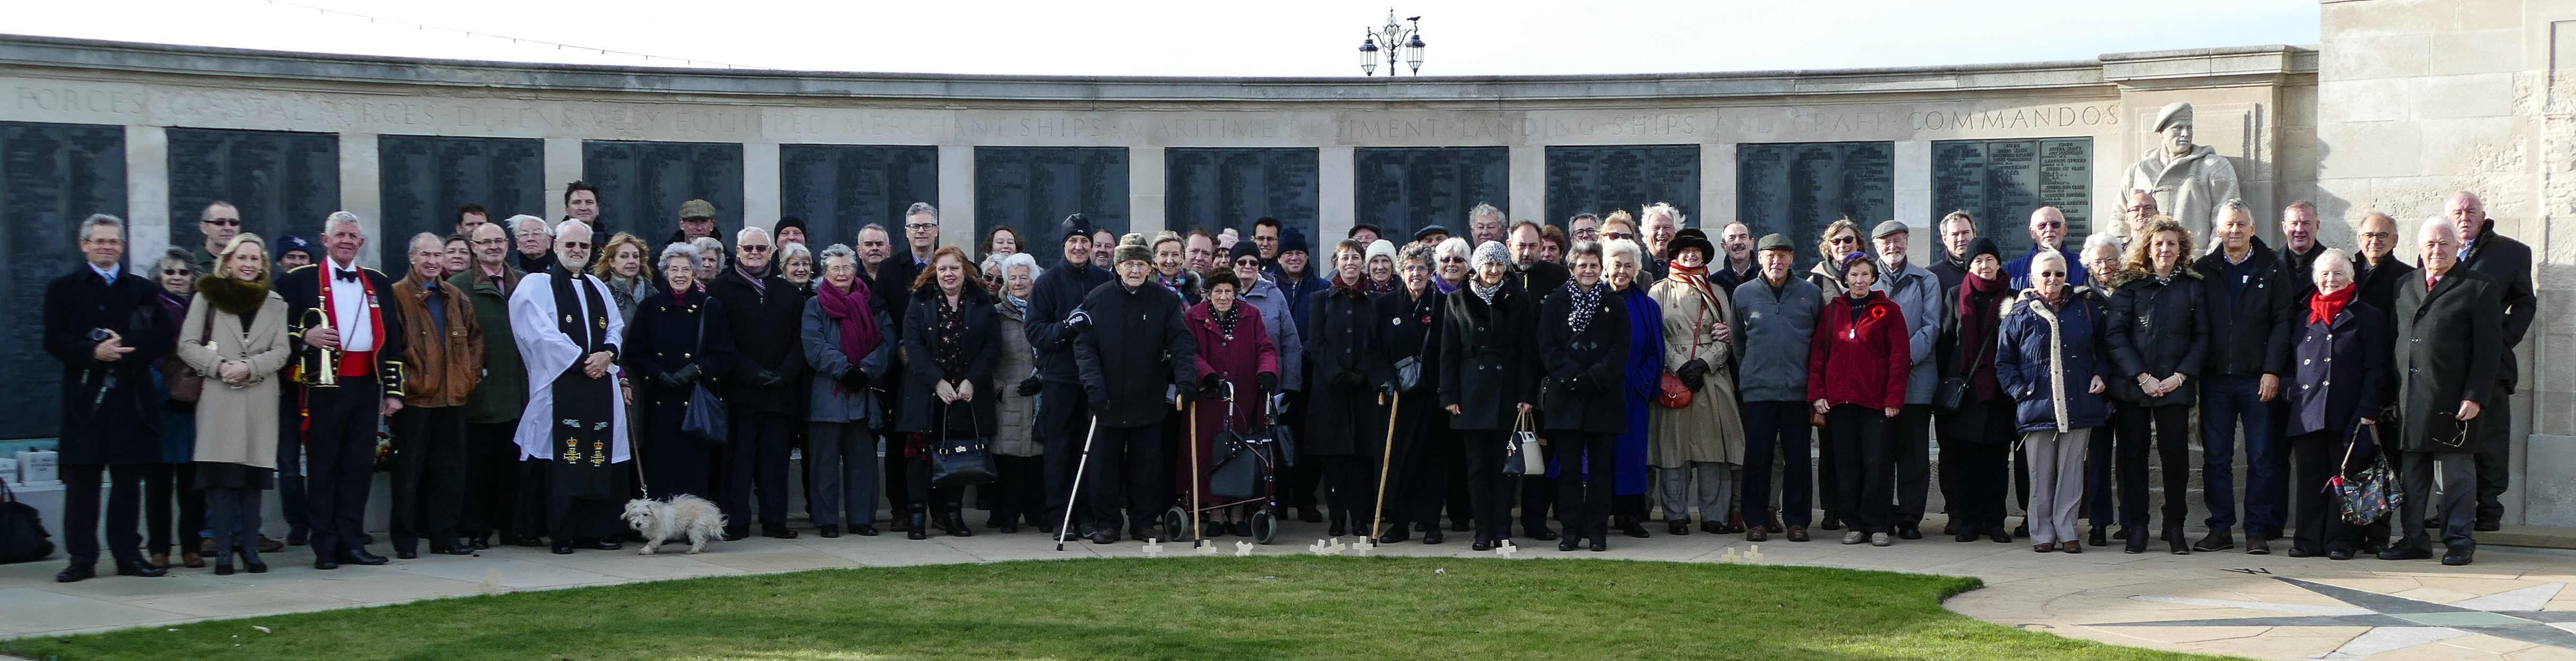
<point>2224,402</point>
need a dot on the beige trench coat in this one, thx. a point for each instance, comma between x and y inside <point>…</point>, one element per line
<point>1710,429</point>
<point>237,426</point>
<point>1018,412</point>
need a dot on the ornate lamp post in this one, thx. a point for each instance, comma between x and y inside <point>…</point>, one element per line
<point>1401,41</point>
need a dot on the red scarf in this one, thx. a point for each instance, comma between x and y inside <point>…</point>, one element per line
<point>2322,307</point>
<point>859,335</point>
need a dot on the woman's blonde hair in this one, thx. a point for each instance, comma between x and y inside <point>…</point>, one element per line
<point>643,256</point>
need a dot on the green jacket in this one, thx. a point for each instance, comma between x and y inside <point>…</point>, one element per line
<point>503,393</point>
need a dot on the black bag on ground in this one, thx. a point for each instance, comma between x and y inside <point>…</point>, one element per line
<point>22,531</point>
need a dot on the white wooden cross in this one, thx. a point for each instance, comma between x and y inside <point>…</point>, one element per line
<point>1363,547</point>
<point>1204,547</point>
<point>1243,549</point>
<point>1731,557</point>
<point>1754,556</point>
<point>1325,547</point>
<point>1153,548</point>
<point>1507,549</point>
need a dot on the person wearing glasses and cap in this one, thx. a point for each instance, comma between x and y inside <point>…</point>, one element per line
<point>1778,315</point>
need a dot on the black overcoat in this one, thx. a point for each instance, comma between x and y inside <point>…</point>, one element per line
<point>768,327</point>
<point>1137,351</point>
<point>2154,328</point>
<point>981,339</point>
<point>2450,344</point>
<point>2342,372</point>
<point>1586,371</point>
<point>1344,367</point>
<point>1486,351</point>
<point>110,413</point>
<point>664,338</point>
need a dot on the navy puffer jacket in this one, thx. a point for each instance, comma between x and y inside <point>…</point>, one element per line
<point>2046,359</point>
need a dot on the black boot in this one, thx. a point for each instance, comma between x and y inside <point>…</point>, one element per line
<point>250,559</point>
<point>955,521</point>
<point>2101,536</point>
<point>916,526</point>
<point>2173,535</point>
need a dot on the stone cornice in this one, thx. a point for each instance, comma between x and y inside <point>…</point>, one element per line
<point>2190,68</point>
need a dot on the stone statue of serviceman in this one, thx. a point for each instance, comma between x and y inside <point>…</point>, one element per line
<point>2187,180</point>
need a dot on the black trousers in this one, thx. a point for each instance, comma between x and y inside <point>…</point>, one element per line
<point>2452,501</point>
<point>1064,420</point>
<point>429,476</point>
<point>491,478</point>
<point>170,484</point>
<point>1983,463</point>
<point>2168,429</point>
<point>233,513</point>
<point>1538,495</point>
<point>757,461</point>
<point>1585,481</point>
<point>1349,487</point>
<point>340,463</point>
<point>2314,459</point>
<point>1020,489</point>
<point>1866,477</point>
<point>2493,429</point>
<point>1128,462</point>
<point>1418,479</point>
<point>1487,488</point>
<point>1299,484</point>
<point>124,511</point>
<point>1911,433</point>
<point>1777,427</point>
<point>290,459</point>
<point>675,464</point>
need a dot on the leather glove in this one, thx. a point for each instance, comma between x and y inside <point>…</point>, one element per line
<point>1185,391</point>
<point>1078,323</point>
<point>682,377</point>
<point>1029,387</point>
<point>1212,382</point>
<point>1099,401</point>
<point>767,379</point>
<point>1694,374</point>
<point>1350,382</point>
<point>854,380</point>
<point>1268,382</point>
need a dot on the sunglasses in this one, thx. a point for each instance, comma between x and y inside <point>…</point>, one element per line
<point>2050,274</point>
<point>1839,240</point>
<point>576,245</point>
<point>223,222</point>
<point>178,272</point>
<point>756,250</point>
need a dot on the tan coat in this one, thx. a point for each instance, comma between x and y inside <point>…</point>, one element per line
<point>1014,437</point>
<point>237,426</point>
<point>1710,429</point>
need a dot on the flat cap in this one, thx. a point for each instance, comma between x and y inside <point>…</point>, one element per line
<point>1775,241</point>
<point>697,209</point>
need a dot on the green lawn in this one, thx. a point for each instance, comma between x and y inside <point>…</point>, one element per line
<point>1283,608</point>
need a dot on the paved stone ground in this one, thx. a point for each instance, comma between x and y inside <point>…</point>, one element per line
<point>2511,605</point>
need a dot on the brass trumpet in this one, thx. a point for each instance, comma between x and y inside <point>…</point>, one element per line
<point>326,371</point>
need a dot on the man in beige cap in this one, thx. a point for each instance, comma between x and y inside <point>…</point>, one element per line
<point>697,220</point>
<point>2187,180</point>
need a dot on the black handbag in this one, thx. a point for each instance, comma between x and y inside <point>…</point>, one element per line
<point>704,418</point>
<point>957,462</point>
<point>1408,370</point>
<point>1283,439</point>
<point>22,530</point>
<point>1952,393</point>
<point>1238,470</point>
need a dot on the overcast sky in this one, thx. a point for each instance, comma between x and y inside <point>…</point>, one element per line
<point>1294,38</point>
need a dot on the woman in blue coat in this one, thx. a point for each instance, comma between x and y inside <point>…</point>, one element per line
<point>2047,359</point>
<point>1622,262</point>
<point>2343,383</point>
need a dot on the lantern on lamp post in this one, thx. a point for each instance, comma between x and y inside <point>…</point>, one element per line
<point>1403,43</point>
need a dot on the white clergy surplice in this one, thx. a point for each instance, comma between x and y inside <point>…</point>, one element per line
<point>547,352</point>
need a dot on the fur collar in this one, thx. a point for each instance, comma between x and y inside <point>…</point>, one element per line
<point>233,296</point>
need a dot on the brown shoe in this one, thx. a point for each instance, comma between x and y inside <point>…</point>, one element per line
<point>1756,535</point>
<point>1797,533</point>
<point>191,560</point>
<point>161,560</point>
<point>267,545</point>
<point>2071,547</point>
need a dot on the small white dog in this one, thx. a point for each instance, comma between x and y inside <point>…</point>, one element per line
<point>682,517</point>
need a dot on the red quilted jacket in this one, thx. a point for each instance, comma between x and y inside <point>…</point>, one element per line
<point>1860,361</point>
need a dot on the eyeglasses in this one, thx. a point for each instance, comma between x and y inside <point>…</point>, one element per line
<point>1453,260</point>
<point>756,250</point>
<point>920,226</point>
<point>2053,223</point>
<point>104,242</point>
<point>223,222</point>
<point>576,245</point>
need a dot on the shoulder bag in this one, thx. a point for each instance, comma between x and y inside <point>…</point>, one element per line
<point>22,530</point>
<point>186,383</point>
<point>1521,455</point>
<point>1670,392</point>
<point>2369,494</point>
<point>704,418</point>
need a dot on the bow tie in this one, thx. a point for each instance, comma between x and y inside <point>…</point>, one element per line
<point>345,275</point>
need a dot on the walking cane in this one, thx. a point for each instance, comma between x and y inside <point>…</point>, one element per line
<point>1377,516</point>
<point>1065,528</point>
<point>1190,418</point>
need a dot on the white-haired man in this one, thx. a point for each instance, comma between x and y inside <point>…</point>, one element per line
<point>572,434</point>
<point>1660,221</point>
<point>344,327</point>
<point>767,314</point>
<point>536,242</point>
<point>443,347</point>
<point>2450,349</point>
<point>1484,223</point>
<point>2508,263</point>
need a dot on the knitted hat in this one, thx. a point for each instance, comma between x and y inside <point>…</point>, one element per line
<point>1984,246</point>
<point>1225,277</point>
<point>1074,225</point>
<point>293,243</point>
<point>1292,240</point>
<point>1242,248</point>
<point>1380,248</point>
<point>1492,251</point>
